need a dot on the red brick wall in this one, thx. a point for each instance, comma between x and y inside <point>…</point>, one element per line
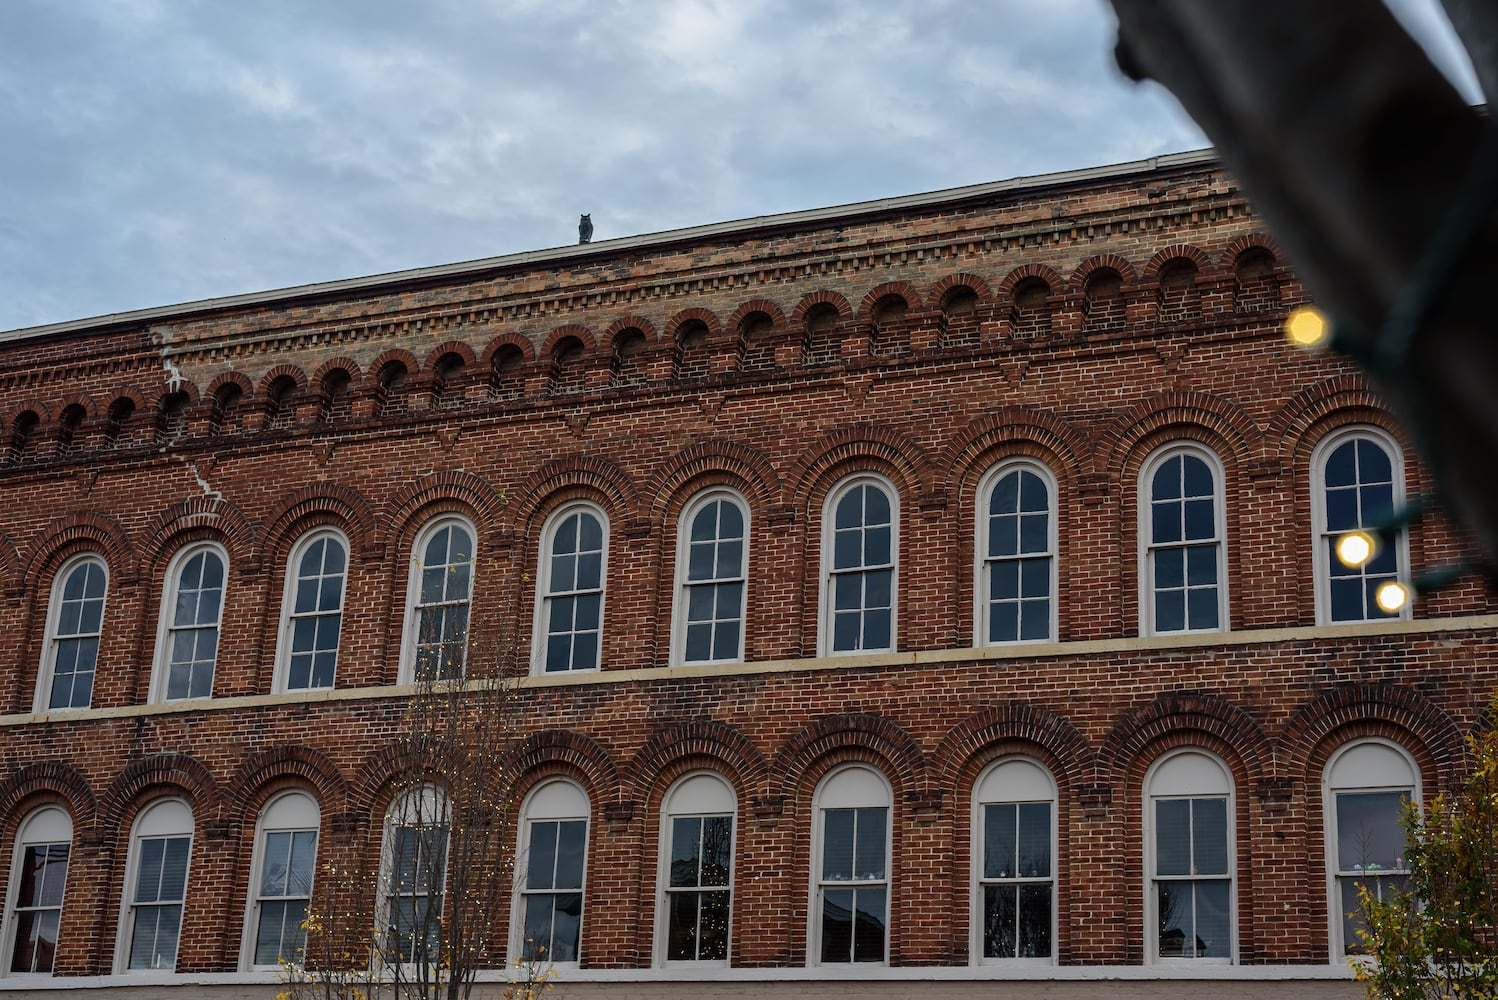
<point>930,401</point>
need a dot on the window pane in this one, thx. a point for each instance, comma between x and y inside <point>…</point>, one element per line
<point>1199,519</point>
<point>876,630</point>
<point>712,938</point>
<point>1198,476</point>
<point>1035,620</point>
<point>837,844</point>
<point>868,925</point>
<point>1005,498</point>
<point>1034,533</point>
<point>1035,921</point>
<point>999,921</point>
<point>1035,840</point>
<point>1035,577</point>
<point>1170,568</point>
<point>1175,939</point>
<point>876,547</point>
<point>1166,484</point>
<point>1201,565</point>
<point>541,858</point>
<point>1341,469</point>
<point>1369,836</point>
<point>572,846</point>
<point>1201,608</point>
<point>686,862</point>
<point>717,849</point>
<point>568,917</point>
<point>999,841</point>
<point>1213,938</point>
<point>681,932</point>
<point>1004,580</point>
<point>1210,836</point>
<point>869,853</point>
<point>726,645</point>
<point>837,925</point>
<point>1003,622</point>
<point>1373,462</point>
<point>1170,611</point>
<point>1173,836</point>
<point>1165,522</point>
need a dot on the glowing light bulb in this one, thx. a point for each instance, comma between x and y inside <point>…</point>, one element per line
<point>1355,548</point>
<point>1392,596</point>
<point>1307,327</point>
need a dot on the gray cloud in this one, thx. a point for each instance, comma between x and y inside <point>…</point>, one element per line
<point>163,151</point>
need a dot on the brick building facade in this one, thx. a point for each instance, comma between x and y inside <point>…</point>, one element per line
<point>954,567</point>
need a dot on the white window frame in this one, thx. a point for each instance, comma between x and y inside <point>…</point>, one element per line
<point>556,800</point>
<point>544,596</point>
<point>166,627</point>
<point>414,605</point>
<point>684,586</point>
<point>1204,784</point>
<point>163,819</point>
<point>698,795</point>
<point>416,808</point>
<point>849,787</point>
<point>981,561</point>
<point>48,672</point>
<point>42,828</point>
<point>1148,547</point>
<point>1321,556</point>
<point>290,616</point>
<point>290,812</point>
<point>829,574</point>
<point>1362,772</point>
<point>1018,781</point>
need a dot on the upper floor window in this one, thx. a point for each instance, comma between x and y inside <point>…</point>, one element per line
<point>441,590</point>
<point>1189,824</point>
<point>1364,791</point>
<point>413,875</point>
<point>850,842</point>
<point>313,611</point>
<point>284,861</point>
<point>192,607</point>
<point>1183,567</point>
<point>696,870</point>
<point>75,623</point>
<point>1014,905</point>
<point>156,887</point>
<point>710,573</point>
<point>547,923</point>
<point>574,554</point>
<point>1358,483</point>
<point>859,543</point>
<point>1016,554</point>
<point>38,876</point>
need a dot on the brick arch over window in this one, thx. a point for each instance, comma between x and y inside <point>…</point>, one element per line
<point>607,481</point>
<point>1017,277</point>
<point>229,395</point>
<point>342,363</point>
<point>440,353</point>
<point>77,532</point>
<point>1012,728</point>
<point>1024,430</point>
<point>1401,714</point>
<point>1292,429</point>
<point>640,323</point>
<point>200,517</point>
<point>937,297</point>
<point>1184,718</point>
<point>374,375</point>
<point>231,378</point>
<point>1103,262</point>
<point>672,484</point>
<point>270,771</point>
<point>819,468</point>
<point>280,372</point>
<point>839,739</point>
<point>54,780</point>
<point>180,773</point>
<point>1121,445</point>
<point>561,751</point>
<point>322,503</point>
<point>561,334</point>
<point>687,317</point>
<point>814,299</point>
<point>27,432</point>
<point>676,749</point>
<point>439,492</point>
<point>1245,243</point>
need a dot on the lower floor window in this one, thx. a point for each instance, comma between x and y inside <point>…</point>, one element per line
<point>156,904</point>
<point>853,867</point>
<point>697,895</point>
<point>39,877</point>
<point>553,890</point>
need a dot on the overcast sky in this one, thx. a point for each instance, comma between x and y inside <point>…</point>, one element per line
<point>160,151</point>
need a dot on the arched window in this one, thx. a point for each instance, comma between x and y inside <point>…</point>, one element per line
<point>1016,554</point>
<point>850,842</point>
<point>38,876</point>
<point>192,607</point>
<point>312,611</point>
<point>156,887</point>
<point>1358,484</point>
<point>1183,563</point>
<point>281,879</point>
<point>440,592</point>
<point>413,875</point>
<point>1363,792</point>
<point>860,540</point>
<point>1189,824</point>
<point>75,623</point>
<point>711,576</point>
<point>547,923</point>
<point>569,617</point>
<point>696,870</point>
<point>1014,904</point>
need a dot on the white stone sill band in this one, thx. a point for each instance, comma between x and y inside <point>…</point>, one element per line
<point>1185,971</point>
<point>1018,651</point>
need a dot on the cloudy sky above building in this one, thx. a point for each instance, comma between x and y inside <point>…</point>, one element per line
<point>160,151</point>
